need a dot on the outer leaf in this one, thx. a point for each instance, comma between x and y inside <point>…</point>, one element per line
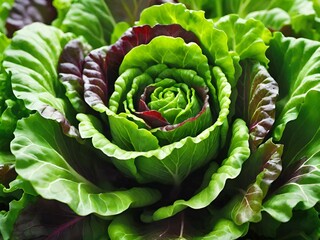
<point>267,162</point>
<point>298,186</point>
<point>54,220</point>
<point>184,226</point>
<point>296,68</point>
<point>230,168</point>
<point>226,229</point>
<point>25,12</point>
<point>11,109</point>
<point>128,227</point>
<point>304,224</point>
<point>46,165</point>
<point>18,196</point>
<point>90,19</point>
<point>32,60</point>
<point>256,102</point>
<point>275,19</point>
<point>303,19</point>
<point>8,219</point>
<point>248,38</point>
<point>122,227</point>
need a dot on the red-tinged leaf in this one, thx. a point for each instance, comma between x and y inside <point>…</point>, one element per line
<point>256,102</point>
<point>94,77</point>
<point>70,69</point>
<point>25,12</point>
<point>267,162</point>
<point>68,129</point>
<point>71,62</point>
<point>153,118</point>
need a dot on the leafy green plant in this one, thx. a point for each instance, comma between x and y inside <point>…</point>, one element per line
<point>178,127</point>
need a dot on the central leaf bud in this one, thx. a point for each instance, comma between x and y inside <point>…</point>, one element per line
<point>176,102</point>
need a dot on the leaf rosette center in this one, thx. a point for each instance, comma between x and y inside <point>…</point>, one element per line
<point>175,102</point>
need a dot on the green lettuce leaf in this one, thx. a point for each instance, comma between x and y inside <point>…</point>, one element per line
<point>304,224</point>
<point>316,5</point>
<point>292,17</point>
<point>185,226</point>
<point>11,109</point>
<point>295,67</point>
<point>33,54</point>
<point>226,229</point>
<point>119,30</point>
<point>297,187</point>
<point>4,42</point>
<point>5,7</point>
<point>90,19</point>
<point>8,219</point>
<point>12,112</point>
<point>43,157</point>
<point>303,18</point>
<point>230,168</point>
<point>213,41</point>
<point>15,198</point>
<point>248,38</point>
<point>275,19</point>
<point>32,60</point>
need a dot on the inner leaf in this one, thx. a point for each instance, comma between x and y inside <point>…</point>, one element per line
<point>176,102</point>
